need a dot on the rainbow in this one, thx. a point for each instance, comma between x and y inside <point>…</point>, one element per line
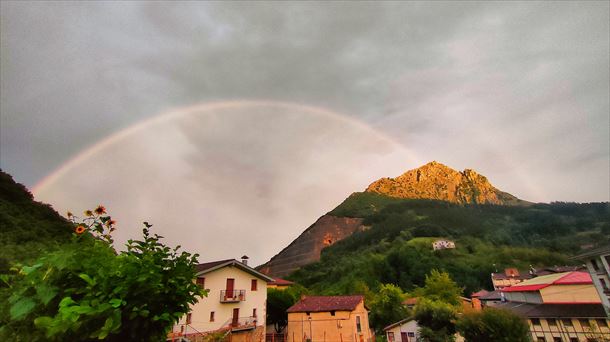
<point>199,109</point>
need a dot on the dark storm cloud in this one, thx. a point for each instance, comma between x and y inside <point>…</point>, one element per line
<point>516,90</point>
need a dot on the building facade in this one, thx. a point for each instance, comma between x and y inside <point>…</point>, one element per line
<point>561,307</point>
<point>598,265</point>
<point>236,302</point>
<point>329,318</point>
<point>405,330</point>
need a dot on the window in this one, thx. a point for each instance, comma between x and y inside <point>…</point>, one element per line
<point>567,322</point>
<point>601,323</point>
<point>254,285</point>
<point>595,265</point>
<point>211,316</point>
<point>332,313</point>
<point>308,313</point>
<point>188,318</point>
<point>552,322</point>
<point>201,282</point>
<point>557,339</point>
<point>584,323</point>
<point>358,327</point>
<point>573,339</point>
<point>390,336</point>
<point>603,282</point>
<point>253,312</point>
<point>411,334</point>
<point>535,321</point>
<point>540,339</point>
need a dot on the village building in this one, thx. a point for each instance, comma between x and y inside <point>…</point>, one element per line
<point>405,330</point>
<point>235,304</point>
<point>559,307</point>
<point>329,318</point>
<point>279,284</point>
<point>443,244</point>
<point>598,266</point>
<point>510,277</point>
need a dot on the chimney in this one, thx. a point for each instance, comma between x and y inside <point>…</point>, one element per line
<point>244,260</point>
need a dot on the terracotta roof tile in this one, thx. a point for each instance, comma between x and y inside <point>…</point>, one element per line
<point>280,281</point>
<point>326,303</point>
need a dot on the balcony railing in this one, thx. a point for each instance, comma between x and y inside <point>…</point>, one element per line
<point>232,296</point>
<point>243,323</point>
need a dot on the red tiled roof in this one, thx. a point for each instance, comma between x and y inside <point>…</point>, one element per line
<point>479,293</point>
<point>212,266</point>
<point>535,284</point>
<point>410,301</point>
<point>574,278</point>
<point>280,281</point>
<point>326,303</point>
<point>524,288</point>
<point>208,265</point>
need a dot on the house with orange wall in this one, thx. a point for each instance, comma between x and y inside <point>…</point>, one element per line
<point>329,318</point>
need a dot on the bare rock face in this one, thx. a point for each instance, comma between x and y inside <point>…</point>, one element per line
<point>307,247</point>
<point>439,182</point>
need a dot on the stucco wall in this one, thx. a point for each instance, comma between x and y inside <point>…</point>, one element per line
<point>323,326</point>
<point>216,281</point>
<point>407,327</point>
<point>570,294</point>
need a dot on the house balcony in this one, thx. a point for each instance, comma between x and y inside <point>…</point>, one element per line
<point>232,296</point>
<point>243,323</point>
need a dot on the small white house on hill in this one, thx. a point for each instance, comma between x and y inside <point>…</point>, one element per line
<point>443,244</point>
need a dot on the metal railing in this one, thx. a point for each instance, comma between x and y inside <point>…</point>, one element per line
<point>232,296</point>
<point>243,323</point>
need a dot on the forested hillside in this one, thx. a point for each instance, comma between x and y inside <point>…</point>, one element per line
<point>396,246</point>
<point>27,227</point>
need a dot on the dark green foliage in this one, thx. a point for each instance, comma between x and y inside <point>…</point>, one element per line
<point>386,306</point>
<point>436,320</point>
<point>86,291</point>
<point>397,249</point>
<point>27,228</point>
<point>278,301</point>
<point>493,325</point>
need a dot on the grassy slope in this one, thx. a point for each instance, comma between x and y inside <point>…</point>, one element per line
<point>397,247</point>
<point>27,227</point>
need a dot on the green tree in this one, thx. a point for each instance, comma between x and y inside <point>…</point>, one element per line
<point>440,287</point>
<point>387,307</point>
<point>436,320</point>
<point>87,291</point>
<point>437,307</point>
<point>493,324</point>
<point>278,301</point>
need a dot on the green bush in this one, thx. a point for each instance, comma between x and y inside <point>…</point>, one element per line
<point>86,290</point>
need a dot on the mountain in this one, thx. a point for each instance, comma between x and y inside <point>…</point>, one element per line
<point>431,181</point>
<point>439,182</point>
<point>383,236</point>
<point>28,227</point>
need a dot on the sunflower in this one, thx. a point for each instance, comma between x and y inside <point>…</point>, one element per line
<point>100,210</point>
<point>110,223</point>
<point>79,230</point>
<point>88,213</point>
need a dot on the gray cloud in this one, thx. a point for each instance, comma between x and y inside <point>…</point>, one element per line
<point>516,90</point>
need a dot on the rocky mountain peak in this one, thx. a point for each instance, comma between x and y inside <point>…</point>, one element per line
<point>437,181</point>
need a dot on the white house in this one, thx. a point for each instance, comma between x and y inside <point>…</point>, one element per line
<point>443,244</point>
<point>236,302</point>
<point>405,330</point>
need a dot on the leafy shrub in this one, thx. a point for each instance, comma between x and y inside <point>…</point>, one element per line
<point>86,290</point>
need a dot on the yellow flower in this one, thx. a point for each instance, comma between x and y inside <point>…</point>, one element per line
<point>88,213</point>
<point>79,230</point>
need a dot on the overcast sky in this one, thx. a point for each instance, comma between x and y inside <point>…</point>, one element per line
<point>518,91</point>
